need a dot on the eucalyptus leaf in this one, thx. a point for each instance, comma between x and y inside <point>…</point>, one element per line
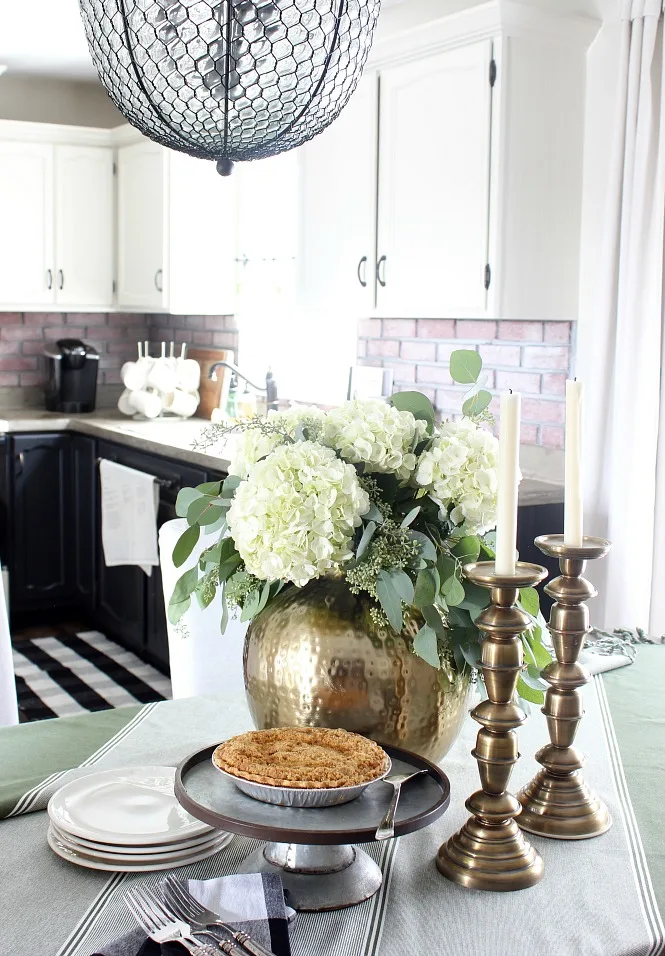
<point>212,488</point>
<point>528,693</point>
<point>251,605</point>
<point>229,485</point>
<point>434,619</point>
<point>185,545</point>
<point>427,549</point>
<point>212,514</point>
<point>446,566</point>
<point>175,612</point>
<point>228,567</point>
<point>541,655</point>
<point>199,507</point>
<point>426,588</point>
<point>453,591</point>
<point>185,498</point>
<point>184,586</point>
<point>530,601</point>
<point>465,366</point>
<point>204,596</point>
<point>403,584</point>
<point>390,601</point>
<point>367,535</point>
<point>471,654</point>
<point>425,645</point>
<point>488,544</point>
<point>467,549</point>
<point>477,404</point>
<point>475,600</point>
<point>411,517</point>
<point>418,404</point>
<point>263,600</point>
<point>373,515</point>
<point>219,526</point>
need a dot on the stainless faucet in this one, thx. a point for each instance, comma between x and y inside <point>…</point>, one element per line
<point>270,388</point>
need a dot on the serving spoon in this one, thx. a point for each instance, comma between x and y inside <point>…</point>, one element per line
<point>386,829</point>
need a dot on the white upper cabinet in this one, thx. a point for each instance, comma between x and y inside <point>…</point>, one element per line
<point>476,190</point>
<point>26,224</point>
<point>141,238</point>
<point>434,173</point>
<point>57,219</point>
<point>176,244</point>
<point>337,183</point>
<point>84,226</point>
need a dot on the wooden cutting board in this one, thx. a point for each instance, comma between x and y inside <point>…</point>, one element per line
<point>214,394</point>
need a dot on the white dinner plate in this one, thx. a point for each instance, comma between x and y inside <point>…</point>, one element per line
<point>128,807</point>
<point>133,865</point>
<point>112,850</point>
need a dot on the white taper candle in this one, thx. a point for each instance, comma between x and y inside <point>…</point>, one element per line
<point>573,523</point>
<point>509,479</point>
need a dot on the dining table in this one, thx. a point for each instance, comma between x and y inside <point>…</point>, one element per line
<point>598,897</point>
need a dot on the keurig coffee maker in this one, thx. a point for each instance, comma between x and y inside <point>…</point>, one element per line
<point>71,376</point>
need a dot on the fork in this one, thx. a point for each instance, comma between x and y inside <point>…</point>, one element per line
<point>160,928</point>
<point>187,907</point>
<point>386,829</point>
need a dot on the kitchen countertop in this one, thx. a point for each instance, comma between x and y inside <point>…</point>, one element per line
<point>174,438</point>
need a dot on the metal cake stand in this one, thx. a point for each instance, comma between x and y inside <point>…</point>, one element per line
<point>313,849</point>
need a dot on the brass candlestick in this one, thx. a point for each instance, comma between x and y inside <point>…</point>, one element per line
<point>557,802</point>
<point>490,852</point>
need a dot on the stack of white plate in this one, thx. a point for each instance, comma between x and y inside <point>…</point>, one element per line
<point>128,820</point>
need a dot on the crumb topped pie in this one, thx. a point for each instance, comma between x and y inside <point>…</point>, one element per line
<point>302,757</point>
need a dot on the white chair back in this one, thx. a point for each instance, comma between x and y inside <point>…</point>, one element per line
<point>203,661</point>
<point>8,703</point>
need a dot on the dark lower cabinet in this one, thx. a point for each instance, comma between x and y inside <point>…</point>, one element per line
<point>42,525</point>
<point>84,508</point>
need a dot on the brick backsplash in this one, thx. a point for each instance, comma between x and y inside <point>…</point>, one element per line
<point>113,334</point>
<point>533,358</point>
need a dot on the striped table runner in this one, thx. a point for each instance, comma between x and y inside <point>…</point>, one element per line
<point>600,897</point>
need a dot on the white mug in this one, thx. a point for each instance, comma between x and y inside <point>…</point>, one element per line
<point>162,376</point>
<point>147,404</point>
<point>183,404</point>
<point>189,375</point>
<point>124,404</point>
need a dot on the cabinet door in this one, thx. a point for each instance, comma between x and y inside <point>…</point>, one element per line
<point>434,168</point>
<point>84,226</point>
<point>84,492</point>
<point>336,261</point>
<point>26,224</point>
<point>141,230</point>
<point>41,558</point>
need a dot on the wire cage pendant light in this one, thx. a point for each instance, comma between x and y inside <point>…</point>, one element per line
<point>230,80</point>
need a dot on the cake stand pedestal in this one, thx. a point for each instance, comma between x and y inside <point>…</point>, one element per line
<point>314,849</point>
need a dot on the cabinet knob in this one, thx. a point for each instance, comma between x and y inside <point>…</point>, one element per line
<point>362,272</point>
<point>381,274</point>
<point>61,279</point>
<point>49,279</point>
<point>21,462</point>
<point>159,285</point>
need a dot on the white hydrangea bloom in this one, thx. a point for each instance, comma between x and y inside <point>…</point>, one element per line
<point>460,472</point>
<point>294,516</point>
<point>376,434</point>
<point>252,444</point>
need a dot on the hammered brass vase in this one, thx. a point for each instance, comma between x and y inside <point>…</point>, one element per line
<point>315,658</point>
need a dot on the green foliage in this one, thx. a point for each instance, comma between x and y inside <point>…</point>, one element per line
<point>426,587</point>
<point>425,645</point>
<point>530,601</point>
<point>390,601</point>
<point>185,545</point>
<point>477,403</point>
<point>465,366</point>
<point>418,404</point>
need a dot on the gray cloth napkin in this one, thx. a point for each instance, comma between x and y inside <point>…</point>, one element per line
<point>251,902</point>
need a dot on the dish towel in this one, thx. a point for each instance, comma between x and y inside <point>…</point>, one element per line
<point>130,500</point>
<point>251,902</point>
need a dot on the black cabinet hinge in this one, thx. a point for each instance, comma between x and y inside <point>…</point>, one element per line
<point>492,72</point>
<point>488,276</point>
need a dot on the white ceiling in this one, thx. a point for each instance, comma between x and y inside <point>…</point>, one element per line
<point>46,37</point>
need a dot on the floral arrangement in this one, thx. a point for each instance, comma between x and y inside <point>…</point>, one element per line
<point>375,491</point>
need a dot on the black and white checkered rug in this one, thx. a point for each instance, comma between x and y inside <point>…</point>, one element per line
<point>74,673</point>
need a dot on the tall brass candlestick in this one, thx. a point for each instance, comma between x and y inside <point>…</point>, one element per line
<point>557,802</point>
<point>490,852</point>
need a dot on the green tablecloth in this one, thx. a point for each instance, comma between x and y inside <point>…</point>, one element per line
<point>599,897</point>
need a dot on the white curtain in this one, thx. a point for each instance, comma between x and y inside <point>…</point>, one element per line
<point>621,343</point>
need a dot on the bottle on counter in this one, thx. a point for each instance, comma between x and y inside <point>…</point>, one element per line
<point>246,403</point>
<point>232,400</point>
